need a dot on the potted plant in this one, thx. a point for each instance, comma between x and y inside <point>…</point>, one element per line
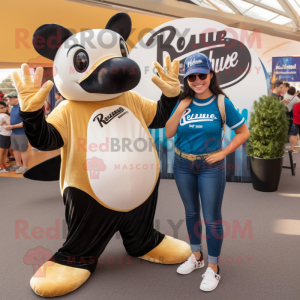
<point>269,132</point>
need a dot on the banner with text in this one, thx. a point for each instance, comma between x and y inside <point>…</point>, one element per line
<point>286,69</point>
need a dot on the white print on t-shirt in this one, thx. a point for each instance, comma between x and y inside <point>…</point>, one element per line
<point>195,126</point>
<point>187,119</point>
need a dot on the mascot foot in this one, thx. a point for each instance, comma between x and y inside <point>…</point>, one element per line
<point>53,279</point>
<point>169,251</point>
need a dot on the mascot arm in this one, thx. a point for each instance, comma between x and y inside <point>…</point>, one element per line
<point>167,80</point>
<point>164,109</point>
<point>156,114</point>
<point>40,133</point>
<point>32,95</point>
<point>169,84</point>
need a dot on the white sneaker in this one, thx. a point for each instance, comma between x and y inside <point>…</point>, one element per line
<point>210,280</point>
<point>3,170</point>
<point>21,170</point>
<point>190,265</point>
<point>12,168</point>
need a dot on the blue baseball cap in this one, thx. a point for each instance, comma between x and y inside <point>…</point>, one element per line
<point>197,63</point>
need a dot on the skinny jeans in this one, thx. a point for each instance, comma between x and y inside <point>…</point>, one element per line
<point>199,178</point>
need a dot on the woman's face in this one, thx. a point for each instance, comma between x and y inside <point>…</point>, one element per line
<point>3,109</point>
<point>200,85</point>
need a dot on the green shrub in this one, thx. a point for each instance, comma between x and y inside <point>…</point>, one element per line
<point>268,127</point>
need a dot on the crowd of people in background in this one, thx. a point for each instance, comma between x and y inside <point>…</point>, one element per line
<point>13,141</point>
<point>59,98</point>
<point>288,95</point>
<point>4,135</point>
<point>12,135</point>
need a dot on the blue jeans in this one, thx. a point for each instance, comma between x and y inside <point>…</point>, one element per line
<point>208,180</point>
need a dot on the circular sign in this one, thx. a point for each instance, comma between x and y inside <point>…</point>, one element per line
<point>240,72</point>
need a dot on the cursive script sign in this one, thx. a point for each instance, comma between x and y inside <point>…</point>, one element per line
<point>230,58</point>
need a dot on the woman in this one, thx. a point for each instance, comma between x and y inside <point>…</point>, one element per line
<point>197,122</point>
<point>4,135</point>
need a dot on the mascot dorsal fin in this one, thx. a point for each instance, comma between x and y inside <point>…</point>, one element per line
<point>48,170</point>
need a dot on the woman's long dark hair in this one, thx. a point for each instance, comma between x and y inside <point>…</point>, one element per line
<point>190,93</point>
<point>2,102</point>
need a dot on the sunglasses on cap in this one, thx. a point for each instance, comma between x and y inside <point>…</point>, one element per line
<point>192,77</point>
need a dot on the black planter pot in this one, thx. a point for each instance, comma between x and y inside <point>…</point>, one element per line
<point>265,173</point>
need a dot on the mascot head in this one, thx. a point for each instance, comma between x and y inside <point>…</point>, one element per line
<point>92,65</point>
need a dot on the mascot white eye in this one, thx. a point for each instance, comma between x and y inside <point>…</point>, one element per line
<point>81,61</point>
<point>123,47</point>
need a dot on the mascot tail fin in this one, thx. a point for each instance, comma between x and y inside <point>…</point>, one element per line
<point>48,170</point>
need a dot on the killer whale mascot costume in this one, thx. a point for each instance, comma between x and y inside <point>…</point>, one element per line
<point>100,197</point>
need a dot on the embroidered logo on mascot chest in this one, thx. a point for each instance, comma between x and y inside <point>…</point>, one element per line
<point>105,120</point>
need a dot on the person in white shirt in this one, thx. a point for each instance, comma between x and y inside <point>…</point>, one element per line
<point>290,98</point>
<point>4,134</point>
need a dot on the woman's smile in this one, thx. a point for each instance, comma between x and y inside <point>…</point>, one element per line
<point>199,88</point>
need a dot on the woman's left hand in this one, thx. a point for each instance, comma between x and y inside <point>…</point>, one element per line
<point>215,157</point>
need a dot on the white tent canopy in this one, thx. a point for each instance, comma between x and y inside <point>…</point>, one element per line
<point>282,12</point>
<point>279,18</point>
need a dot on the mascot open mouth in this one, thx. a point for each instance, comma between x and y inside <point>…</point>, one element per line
<point>115,75</point>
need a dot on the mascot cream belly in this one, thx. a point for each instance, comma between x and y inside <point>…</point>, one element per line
<point>131,170</point>
<point>109,171</point>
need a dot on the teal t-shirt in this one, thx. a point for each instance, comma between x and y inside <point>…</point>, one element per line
<point>199,130</point>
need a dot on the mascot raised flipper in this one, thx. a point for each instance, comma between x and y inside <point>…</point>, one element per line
<point>109,172</point>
